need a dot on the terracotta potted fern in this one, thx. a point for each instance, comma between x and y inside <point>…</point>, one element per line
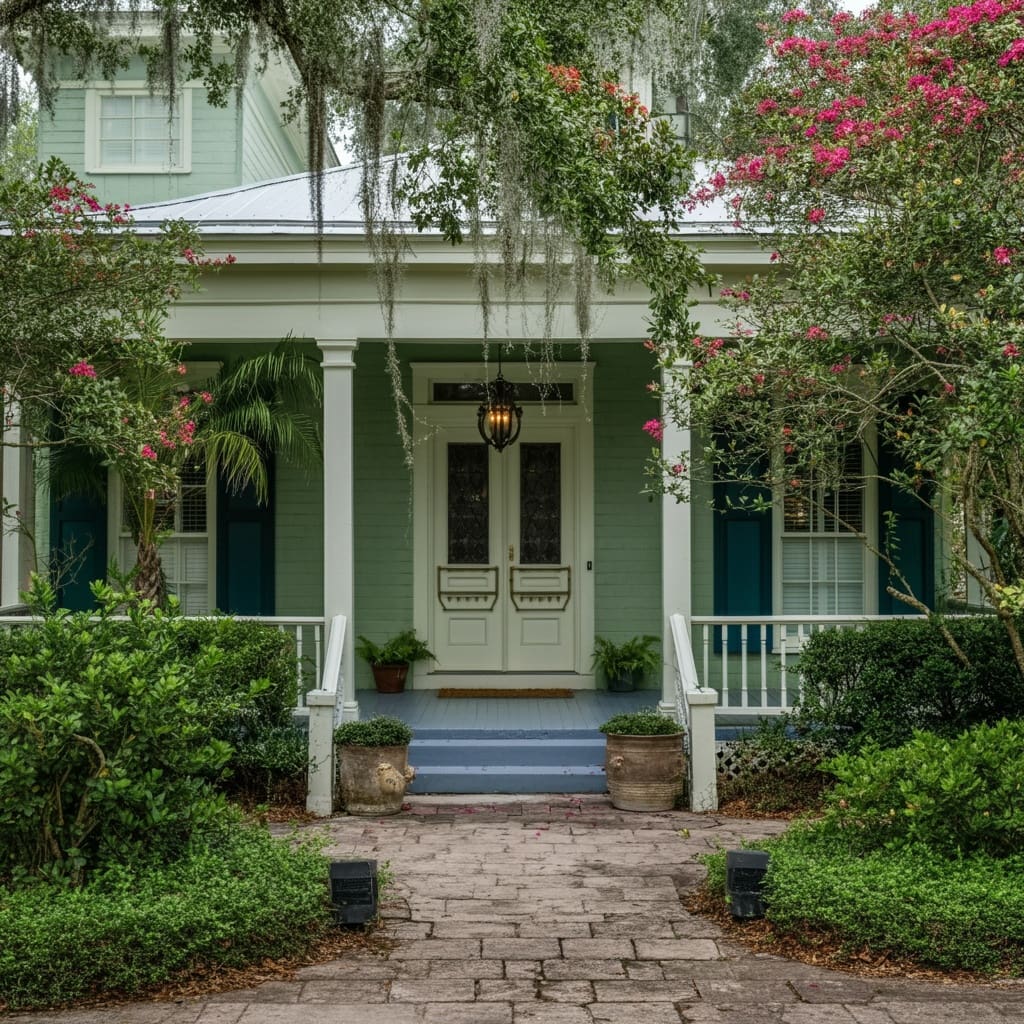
<point>390,660</point>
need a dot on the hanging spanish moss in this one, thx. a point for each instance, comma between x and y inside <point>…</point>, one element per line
<point>503,120</point>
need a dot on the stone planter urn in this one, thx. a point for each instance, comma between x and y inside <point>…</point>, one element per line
<point>373,765</point>
<point>644,761</point>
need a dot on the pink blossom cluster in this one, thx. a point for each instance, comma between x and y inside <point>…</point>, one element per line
<point>1002,255</point>
<point>82,369</point>
<point>655,428</point>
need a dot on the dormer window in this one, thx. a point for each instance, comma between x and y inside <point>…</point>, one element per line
<point>128,131</point>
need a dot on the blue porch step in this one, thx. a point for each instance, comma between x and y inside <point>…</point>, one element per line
<point>525,761</point>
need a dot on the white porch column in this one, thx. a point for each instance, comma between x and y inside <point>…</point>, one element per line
<point>676,558</point>
<point>339,542</point>
<point>15,558</point>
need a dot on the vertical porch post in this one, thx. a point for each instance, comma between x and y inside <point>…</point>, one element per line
<point>15,556</point>
<point>675,553</point>
<point>339,542</point>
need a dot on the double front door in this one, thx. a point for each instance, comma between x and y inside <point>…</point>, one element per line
<point>504,537</point>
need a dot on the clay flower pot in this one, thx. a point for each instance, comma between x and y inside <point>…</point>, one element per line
<point>645,773</point>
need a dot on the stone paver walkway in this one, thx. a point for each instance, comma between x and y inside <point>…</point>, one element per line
<point>559,911</point>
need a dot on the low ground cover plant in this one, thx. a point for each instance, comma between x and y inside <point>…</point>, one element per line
<point>232,898</point>
<point>647,722</point>
<point>918,854</point>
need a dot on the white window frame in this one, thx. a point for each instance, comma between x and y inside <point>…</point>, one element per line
<point>93,107</point>
<point>869,603</point>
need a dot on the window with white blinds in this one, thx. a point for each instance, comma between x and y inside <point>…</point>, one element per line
<point>185,553</point>
<point>821,554</point>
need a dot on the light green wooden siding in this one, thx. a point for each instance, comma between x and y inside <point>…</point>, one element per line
<point>214,139</point>
<point>383,509</point>
<point>266,150</point>
<point>627,525</point>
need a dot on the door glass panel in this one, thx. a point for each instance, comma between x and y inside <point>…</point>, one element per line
<point>468,521</point>
<point>540,504</point>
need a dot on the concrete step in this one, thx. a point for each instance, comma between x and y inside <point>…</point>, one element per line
<point>507,779</point>
<point>559,752</point>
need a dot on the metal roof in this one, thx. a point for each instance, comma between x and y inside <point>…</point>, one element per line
<point>282,207</point>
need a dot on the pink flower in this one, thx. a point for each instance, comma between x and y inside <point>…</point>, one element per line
<point>206,397</point>
<point>1002,255</point>
<point>816,334</point>
<point>797,14</point>
<point>815,215</point>
<point>766,106</point>
<point>774,258</point>
<point>1010,350</point>
<point>677,469</point>
<point>82,369</point>
<point>182,369</point>
<point>148,452</point>
<point>655,428</point>
<point>949,388</point>
<point>1014,52</point>
<point>184,402</point>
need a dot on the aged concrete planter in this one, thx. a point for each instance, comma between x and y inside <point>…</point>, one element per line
<point>645,773</point>
<point>372,780</point>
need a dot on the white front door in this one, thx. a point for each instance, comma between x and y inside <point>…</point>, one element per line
<point>504,565</point>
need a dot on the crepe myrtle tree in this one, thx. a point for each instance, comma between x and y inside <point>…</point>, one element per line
<point>889,180</point>
<point>83,304</point>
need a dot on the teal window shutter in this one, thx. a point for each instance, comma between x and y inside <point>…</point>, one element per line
<point>78,548</point>
<point>743,563</point>
<point>245,551</point>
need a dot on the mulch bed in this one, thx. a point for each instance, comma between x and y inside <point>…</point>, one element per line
<point>457,692</point>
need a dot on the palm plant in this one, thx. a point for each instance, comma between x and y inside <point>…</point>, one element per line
<point>251,411</point>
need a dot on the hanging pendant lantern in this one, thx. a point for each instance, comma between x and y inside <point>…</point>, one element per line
<point>499,419</point>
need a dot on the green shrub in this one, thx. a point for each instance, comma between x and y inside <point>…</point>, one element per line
<point>105,752</point>
<point>641,723</point>
<point>379,731</point>
<point>891,678</point>
<point>250,651</point>
<point>953,914</point>
<point>241,897</point>
<point>957,797</point>
<point>772,769</point>
<point>270,764</point>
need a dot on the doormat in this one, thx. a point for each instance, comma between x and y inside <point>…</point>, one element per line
<point>459,692</point>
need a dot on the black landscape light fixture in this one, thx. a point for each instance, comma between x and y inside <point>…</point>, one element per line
<point>499,419</point>
<point>744,882</point>
<point>353,891</point>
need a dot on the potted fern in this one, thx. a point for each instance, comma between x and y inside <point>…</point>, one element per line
<point>625,664</point>
<point>390,660</point>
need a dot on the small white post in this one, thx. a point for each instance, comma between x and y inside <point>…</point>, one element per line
<point>320,790</point>
<point>703,769</point>
<point>15,559</point>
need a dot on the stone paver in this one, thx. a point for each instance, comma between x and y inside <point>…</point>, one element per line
<point>557,911</point>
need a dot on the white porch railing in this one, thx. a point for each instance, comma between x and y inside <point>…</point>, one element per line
<point>695,708</point>
<point>752,662</point>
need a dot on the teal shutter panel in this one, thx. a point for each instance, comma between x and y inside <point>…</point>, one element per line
<point>78,548</point>
<point>245,552</point>
<point>743,564</point>
<point>913,541</point>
